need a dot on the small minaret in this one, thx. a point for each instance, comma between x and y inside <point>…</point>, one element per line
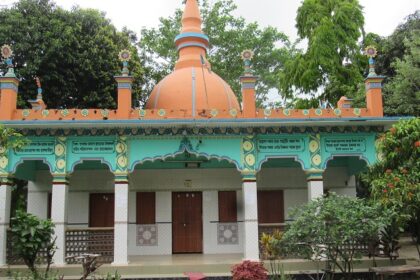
<point>248,81</point>
<point>38,103</point>
<point>125,82</point>
<point>373,82</point>
<point>9,85</point>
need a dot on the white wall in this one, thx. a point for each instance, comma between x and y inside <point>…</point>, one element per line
<point>82,183</point>
<point>37,200</point>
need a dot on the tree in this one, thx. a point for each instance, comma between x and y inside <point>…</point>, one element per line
<point>333,227</point>
<point>395,180</point>
<point>332,59</point>
<point>74,53</point>
<point>229,36</point>
<point>402,92</point>
<point>10,139</point>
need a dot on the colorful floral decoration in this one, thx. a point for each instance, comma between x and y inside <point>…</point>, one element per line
<point>105,113</point>
<point>357,111</point>
<point>26,113</point>
<point>267,112</point>
<point>45,113</point>
<point>214,113</point>
<point>337,112</point>
<point>124,55</point>
<point>161,112</point>
<point>371,51</point>
<point>64,112</point>
<point>315,151</point>
<point>318,112</point>
<point>6,51</point>
<point>286,112</point>
<point>142,113</point>
<point>233,112</point>
<point>85,112</point>
<point>305,112</point>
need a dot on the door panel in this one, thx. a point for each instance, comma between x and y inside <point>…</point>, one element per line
<point>270,207</point>
<point>187,222</point>
<point>101,210</point>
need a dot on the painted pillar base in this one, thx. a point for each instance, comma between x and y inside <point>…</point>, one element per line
<point>251,237</point>
<point>5,200</point>
<point>121,224</point>
<point>59,218</point>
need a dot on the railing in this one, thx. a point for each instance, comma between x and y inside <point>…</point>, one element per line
<point>13,259</point>
<point>90,241</point>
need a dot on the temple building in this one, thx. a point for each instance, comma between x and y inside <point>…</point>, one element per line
<point>195,171</point>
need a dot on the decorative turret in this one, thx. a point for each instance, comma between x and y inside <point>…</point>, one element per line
<point>373,82</point>
<point>248,81</point>
<point>38,103</point>
<point>9,85</point>
<point>125,82</point>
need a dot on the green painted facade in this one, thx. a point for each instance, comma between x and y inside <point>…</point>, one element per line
<point>123,153</point>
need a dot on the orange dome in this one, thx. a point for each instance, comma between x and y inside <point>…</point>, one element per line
<point>192,86</point>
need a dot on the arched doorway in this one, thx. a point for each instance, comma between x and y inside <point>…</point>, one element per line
<point>187,203</point>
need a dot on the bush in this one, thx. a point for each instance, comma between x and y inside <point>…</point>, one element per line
<point>248,270</point>
<point>29,236</point>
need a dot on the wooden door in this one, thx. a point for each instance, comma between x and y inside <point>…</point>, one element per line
<point>270,207</point>
<point>187,222</point>
<point>101,210</point>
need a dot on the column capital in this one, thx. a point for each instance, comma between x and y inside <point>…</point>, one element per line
<point>314,174</point>
<point>6,180</point>
<point>249,175</point>
<point>61,179</point>
<point>121,178</point>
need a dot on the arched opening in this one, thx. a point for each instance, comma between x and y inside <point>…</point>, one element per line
<point>282,186</point>
<point>91,215</point>
<point>195,198</point>
<point>92,190</point>
<point>341,173</point>
<point>33,181</point>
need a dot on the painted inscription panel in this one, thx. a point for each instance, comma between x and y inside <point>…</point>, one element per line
<point>93,147</point>
<point>349,145</point>
<point>281,145</point>
<point>37,148</point>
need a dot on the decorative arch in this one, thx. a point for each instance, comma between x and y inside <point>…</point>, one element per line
<point>181,151</point>
<point>21,161</point>
<point>296,158</point>
<point>359,156</point>
<point>83,160</point>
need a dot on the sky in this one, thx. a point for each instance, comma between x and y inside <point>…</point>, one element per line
<point>381,16</point>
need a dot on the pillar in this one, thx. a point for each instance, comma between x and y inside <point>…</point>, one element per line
<point>124,96</point>
<point>315,184</point>
<point>121,221</point>
<point>373,82</point>
<point>248,82</point>
<point>5,200</point>
<point>59,209</point>
<point>8,96</point>
<point>250,204</point>
<point>37,201</point>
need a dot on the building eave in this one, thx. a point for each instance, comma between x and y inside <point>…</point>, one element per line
<point>321,122</point>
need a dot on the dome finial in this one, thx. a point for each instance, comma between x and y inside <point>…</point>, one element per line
<point>191,19</point>
<point>192,44</point>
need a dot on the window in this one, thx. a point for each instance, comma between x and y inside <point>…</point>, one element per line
<point>146,208</point>
<point>227,207</point>
<point>270,207</point>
